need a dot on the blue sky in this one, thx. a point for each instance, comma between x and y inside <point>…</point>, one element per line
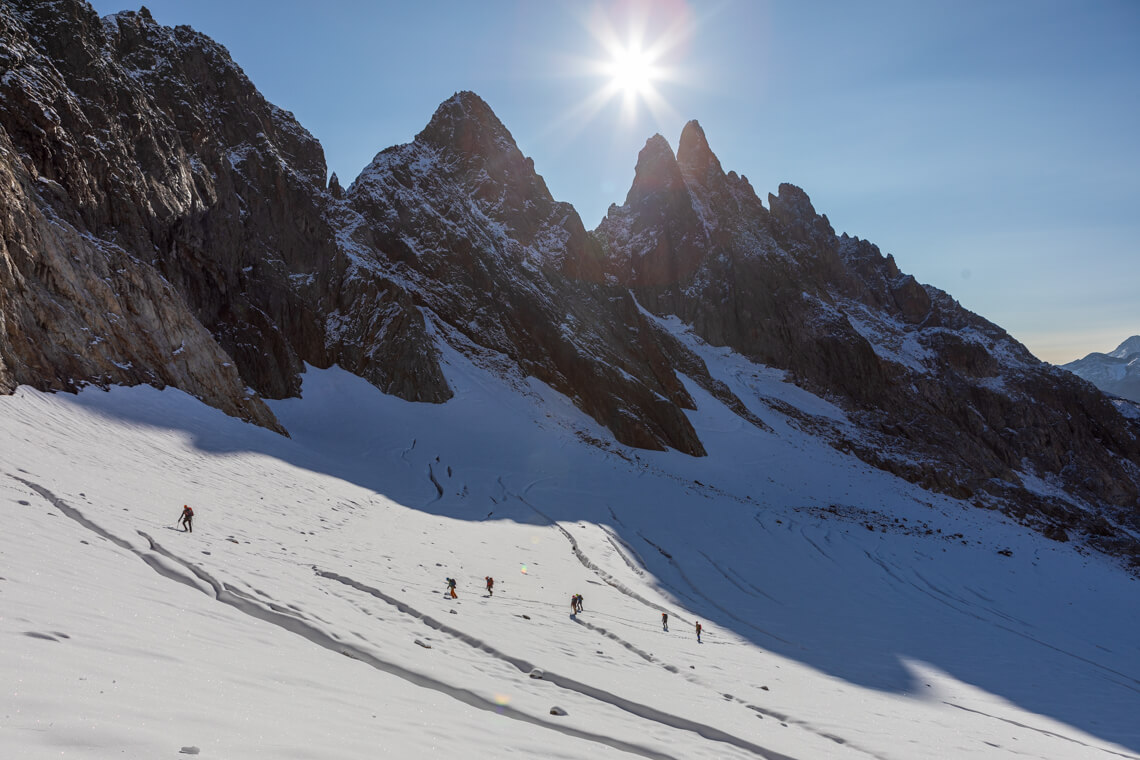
<point>990,146</point>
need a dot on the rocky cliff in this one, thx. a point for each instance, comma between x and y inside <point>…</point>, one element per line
<point>937,394</point>
<point>162,223</point>
<point>166,224</point>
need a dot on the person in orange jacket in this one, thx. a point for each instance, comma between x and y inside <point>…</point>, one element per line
<point>187,519</point>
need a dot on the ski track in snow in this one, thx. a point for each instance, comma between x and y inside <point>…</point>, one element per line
<point>523,666</point>
<point>966,607</point>
<point>293,624</point>
<point>1042,731</point>
<point>590,565</point>
<point>983,596</point>
<point>586,562</point>
<point>293,621</point>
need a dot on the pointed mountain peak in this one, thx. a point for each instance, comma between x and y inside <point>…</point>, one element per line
<point>698,163</point>
<point>657,171</point>
<point>1128,348</point>
<point>465,123</point>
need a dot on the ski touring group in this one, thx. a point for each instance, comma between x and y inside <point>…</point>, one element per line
<point>186,522</point>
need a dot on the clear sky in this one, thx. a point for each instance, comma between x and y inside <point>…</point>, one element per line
<point>992,146</point>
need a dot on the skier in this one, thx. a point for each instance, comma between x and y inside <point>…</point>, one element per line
<point>490,585</point>
<point>698,633</point>
<point>451,587</point>
<point>573,605</point>
<point>665,621</point>
<point>578,603</point>
<point>186,520</point>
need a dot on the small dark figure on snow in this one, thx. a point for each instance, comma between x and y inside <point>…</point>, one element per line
<point>698,633</point>
<point>665,621</point>
<point>577,602</point>
<point>187,519</point>
<point>574,605</point>
<point>490,586</point>
<point>451,587</point>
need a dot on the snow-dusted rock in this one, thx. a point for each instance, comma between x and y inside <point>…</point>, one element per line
<point>1117,372</point>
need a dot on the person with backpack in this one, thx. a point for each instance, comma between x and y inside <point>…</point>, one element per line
<point>665,621</point>
<point>451,587</point>
<point>578,603</point>
<point>490,586</point>
<point>573,605</point>
<point>187,519</point>
<point>698,633</point>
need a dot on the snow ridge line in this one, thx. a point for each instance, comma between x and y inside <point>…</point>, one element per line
<point>941,596</point>
<point>707,600</point>
<point>619,543</point>
<point>155,564</point>
<point>614,637</point>
<point>1040,731</point>
<point>634,708</point>
<point>326,640</point>
<point>586,561</point>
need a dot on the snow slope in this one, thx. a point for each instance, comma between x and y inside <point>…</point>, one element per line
<point>1117,372</point>
<point>847,613</point>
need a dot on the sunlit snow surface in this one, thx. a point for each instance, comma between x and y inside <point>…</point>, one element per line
<point>305,616</point>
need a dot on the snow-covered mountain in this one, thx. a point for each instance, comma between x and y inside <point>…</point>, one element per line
<point>878,504</point>
<point>164,224</point>
<point>1117,372</point>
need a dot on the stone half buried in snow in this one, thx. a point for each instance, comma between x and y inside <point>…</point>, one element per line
<point>556,710</point>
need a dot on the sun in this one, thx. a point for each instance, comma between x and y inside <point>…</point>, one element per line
<point>636,52</point>
<point>632,72</point>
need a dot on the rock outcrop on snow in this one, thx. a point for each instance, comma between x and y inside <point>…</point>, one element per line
<point>162,223</point>
<point>1117,372</point>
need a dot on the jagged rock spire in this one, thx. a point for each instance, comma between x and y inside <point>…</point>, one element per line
<point>698,163</point>
<point>657,172</point>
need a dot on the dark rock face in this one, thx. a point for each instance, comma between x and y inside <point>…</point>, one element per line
<point>461,213</point>
<point>162,223</point>
<point>940,396</point>
<point>159,157</point>
<point>168,225</point>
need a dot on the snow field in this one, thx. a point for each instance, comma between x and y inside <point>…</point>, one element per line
<point>295,621</point>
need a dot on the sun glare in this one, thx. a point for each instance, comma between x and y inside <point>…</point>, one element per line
<point>632,72</point>
<point>639,49</point>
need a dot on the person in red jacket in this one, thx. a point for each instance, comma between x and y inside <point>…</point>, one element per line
<point>187,519</point>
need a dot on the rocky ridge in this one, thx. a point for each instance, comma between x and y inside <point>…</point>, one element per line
<point>937,394</point>
<point>163,223</point>
<point>1116,372</point>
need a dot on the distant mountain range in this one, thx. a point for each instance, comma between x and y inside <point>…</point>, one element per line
<point>1117,372</point>
<point>163,223</point>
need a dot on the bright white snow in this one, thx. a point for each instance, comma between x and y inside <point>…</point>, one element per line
<point>305,618</point>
